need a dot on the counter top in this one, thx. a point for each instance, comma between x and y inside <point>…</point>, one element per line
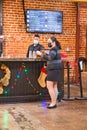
<point>21,59</point>
<point>32,59</point>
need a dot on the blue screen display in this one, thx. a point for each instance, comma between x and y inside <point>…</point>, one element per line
<point>44,21</point>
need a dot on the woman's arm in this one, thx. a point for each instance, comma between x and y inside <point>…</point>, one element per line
<point>49,56</point>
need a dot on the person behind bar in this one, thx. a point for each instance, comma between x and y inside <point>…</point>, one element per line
<point>35,46</point>
<point>54,67</point>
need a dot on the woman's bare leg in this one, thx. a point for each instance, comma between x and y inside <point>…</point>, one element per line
<point>56,89</point>
<point>52,92</point>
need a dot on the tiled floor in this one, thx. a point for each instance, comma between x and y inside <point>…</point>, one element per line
<point>69,115</point>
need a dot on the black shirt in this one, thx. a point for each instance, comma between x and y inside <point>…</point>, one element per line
<point>54,61</point>
<point>38,47</point>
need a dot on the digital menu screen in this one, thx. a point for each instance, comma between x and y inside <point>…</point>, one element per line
<point>44,21</point>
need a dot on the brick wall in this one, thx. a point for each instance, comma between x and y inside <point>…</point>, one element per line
<point>83,32</point>
<point>17,39</point>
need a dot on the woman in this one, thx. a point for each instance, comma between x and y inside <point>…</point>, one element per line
<point>54,66</point>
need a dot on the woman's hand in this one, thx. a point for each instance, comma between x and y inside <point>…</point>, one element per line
<point>38,53</point>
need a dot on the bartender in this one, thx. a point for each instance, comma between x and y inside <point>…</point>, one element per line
<point>35,46</point>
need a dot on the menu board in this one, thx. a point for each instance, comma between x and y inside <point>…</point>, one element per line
<point>44,21</point>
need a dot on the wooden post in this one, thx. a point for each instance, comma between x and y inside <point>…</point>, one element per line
<point>77,40</point>
<point>86,49</point>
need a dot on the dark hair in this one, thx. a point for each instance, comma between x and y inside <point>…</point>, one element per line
<point>36,35</point>
<point>56,41</point>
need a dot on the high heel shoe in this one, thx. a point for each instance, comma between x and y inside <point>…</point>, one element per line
<point>50,107</point>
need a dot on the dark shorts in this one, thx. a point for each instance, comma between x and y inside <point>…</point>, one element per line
<point>54,75</point>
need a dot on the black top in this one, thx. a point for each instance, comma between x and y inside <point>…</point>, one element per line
<point>38,47</point>
<point>53,59</point>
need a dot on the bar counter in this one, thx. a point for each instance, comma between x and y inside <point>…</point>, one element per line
<point>22,84</point>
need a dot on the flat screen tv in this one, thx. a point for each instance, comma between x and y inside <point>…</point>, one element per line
<point>44,21</point>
